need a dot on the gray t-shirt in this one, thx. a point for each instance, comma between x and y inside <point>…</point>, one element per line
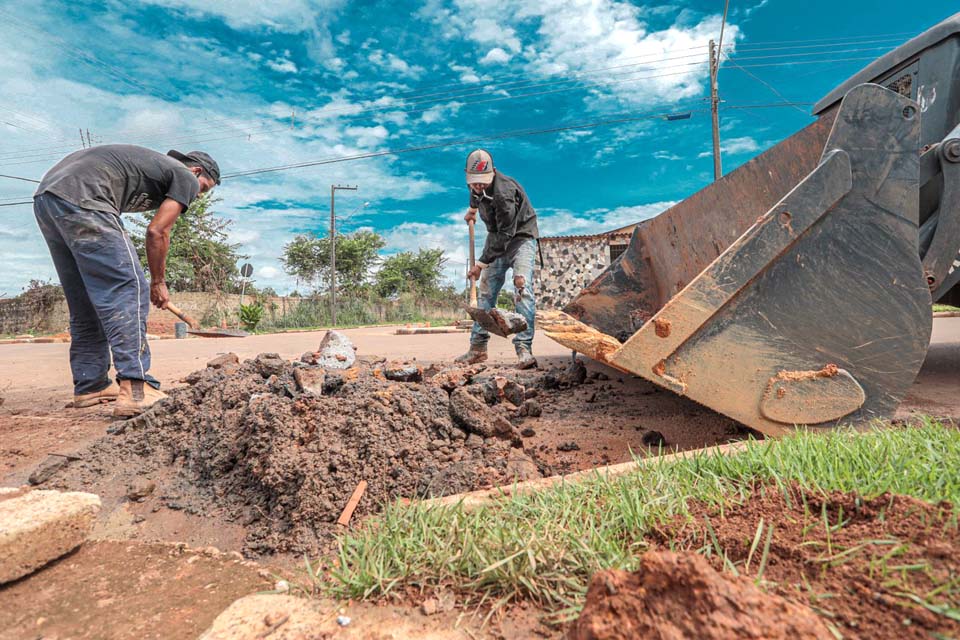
<point>120,178</point>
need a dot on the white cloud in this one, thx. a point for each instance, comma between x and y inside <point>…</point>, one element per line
<point>495,56</point>
<point>282,65</point>
<point>582,35</point>
<point>666,155</point>
<point>391,62</point>
<point>467,74</point>
<point>268,272</point>
<point>734,146</point>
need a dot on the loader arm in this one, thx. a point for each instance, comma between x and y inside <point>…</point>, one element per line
<point>791,291</point>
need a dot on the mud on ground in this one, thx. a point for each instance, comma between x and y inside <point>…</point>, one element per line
<point>864,566</point>
<point>267,453</point>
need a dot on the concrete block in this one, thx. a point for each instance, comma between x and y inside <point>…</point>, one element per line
<point>278,617</point>
<point>41,526</point>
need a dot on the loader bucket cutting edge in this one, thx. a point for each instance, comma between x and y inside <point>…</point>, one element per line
<point>818,313</point>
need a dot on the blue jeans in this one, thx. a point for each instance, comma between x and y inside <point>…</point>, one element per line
<point>492,278</point>
<point>106,292</point>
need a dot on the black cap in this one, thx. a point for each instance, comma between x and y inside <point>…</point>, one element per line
<point>208,164</point>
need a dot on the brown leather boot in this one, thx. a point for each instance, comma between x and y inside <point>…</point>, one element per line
<point>97,397</point>
<point>473,356</point>
<point>135,397</point>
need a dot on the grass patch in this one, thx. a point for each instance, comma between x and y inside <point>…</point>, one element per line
<point>544,546</point>
<point>938,308</point>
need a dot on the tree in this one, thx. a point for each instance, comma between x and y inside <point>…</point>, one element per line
<point>408,272</point>
<point>200,256</point>
<point>308,258</point>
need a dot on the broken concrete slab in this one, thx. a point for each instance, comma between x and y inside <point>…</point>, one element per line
<point>473,415</point>
<point>41,526</point>
<point>336,351</point>
<point>278,617</point>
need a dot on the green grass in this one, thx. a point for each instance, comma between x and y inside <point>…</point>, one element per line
<point>543,547</point>
<point>937,308</point>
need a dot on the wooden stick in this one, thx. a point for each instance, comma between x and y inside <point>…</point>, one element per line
<point>473,261</point>
<point>348,510</point>
<point>190,320</point>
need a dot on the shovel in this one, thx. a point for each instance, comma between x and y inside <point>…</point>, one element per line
<point>203,333</point>
<point>496,321</point>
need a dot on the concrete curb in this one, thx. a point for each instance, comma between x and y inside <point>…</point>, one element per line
<point>485,497</point>
<point>39,526</point>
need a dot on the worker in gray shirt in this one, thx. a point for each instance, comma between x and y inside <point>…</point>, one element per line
<point>510,245</point>
<point>78,206</point>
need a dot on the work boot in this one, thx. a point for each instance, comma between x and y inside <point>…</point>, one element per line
<point>97,397</point>
<point>135,397</point>
<point>525,359</point>
<point>473,356</point>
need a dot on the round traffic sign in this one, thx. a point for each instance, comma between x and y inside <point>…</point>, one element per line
<point>246,270</point>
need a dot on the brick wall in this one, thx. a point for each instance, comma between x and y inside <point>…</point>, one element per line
<point>21,316</point>
<point>571,263</point>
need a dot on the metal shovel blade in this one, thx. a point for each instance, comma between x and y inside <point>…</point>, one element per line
<point>218,333</point>
<point>498,321</point>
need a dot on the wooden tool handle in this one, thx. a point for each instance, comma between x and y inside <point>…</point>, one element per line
<point>473,261</point>
<point>190,320</point>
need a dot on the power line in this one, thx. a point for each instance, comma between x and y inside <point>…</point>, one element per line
<point>19,178</point>
<point>11,204</point>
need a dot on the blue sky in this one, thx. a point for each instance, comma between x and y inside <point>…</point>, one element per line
<point>260,84</point>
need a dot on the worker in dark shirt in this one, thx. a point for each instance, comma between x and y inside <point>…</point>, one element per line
<point>78,206</point>
<point>511,244</point>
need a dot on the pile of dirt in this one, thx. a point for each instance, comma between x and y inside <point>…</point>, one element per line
<point>279,447</point>
<point>885,567</point>
<point>682,596</point>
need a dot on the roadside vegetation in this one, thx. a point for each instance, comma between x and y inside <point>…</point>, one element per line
<point>543,547</point>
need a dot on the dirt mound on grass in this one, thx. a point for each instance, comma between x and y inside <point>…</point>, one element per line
<point>279,447</point>
<point>885,567</point>
<point>682,596</point>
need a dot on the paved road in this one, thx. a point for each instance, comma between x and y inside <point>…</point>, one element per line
<point>33,375</point>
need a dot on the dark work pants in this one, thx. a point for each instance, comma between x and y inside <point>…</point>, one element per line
<point>106,292</point>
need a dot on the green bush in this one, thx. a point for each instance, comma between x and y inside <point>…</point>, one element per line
<point>250,315</point>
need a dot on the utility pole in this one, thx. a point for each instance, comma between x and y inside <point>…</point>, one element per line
<point>89,140</point>
<point>333,250</point>
<point>83,143</point>
<point>714,111</point>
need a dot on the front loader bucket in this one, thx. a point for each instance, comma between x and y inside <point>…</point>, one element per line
<point>817,314</point>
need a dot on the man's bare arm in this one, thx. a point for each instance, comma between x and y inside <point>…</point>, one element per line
<point>158,243</point>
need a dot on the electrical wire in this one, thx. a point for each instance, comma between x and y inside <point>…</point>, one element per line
<point>19,178</point>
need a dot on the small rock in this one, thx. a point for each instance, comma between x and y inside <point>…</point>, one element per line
<point>402,372</point>
<point>47,469</point>
<point>343,620</point>
<point>521,468</point>
<point>221,361</point>
<point>310,380</point>
<point>575,374</point>
<point>139,489</point>
<point>470,414</point>
<point>591,398</point>
<point>282,586</point>
<point>653,439</point>
<point>528,433</point>
<point>531,408</point>
<point>277,617</point>
<point>568,446</point>
<point>429,607</point>
<point>270,364</point>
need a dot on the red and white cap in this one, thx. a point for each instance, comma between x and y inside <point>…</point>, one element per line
<point>479,167</point>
